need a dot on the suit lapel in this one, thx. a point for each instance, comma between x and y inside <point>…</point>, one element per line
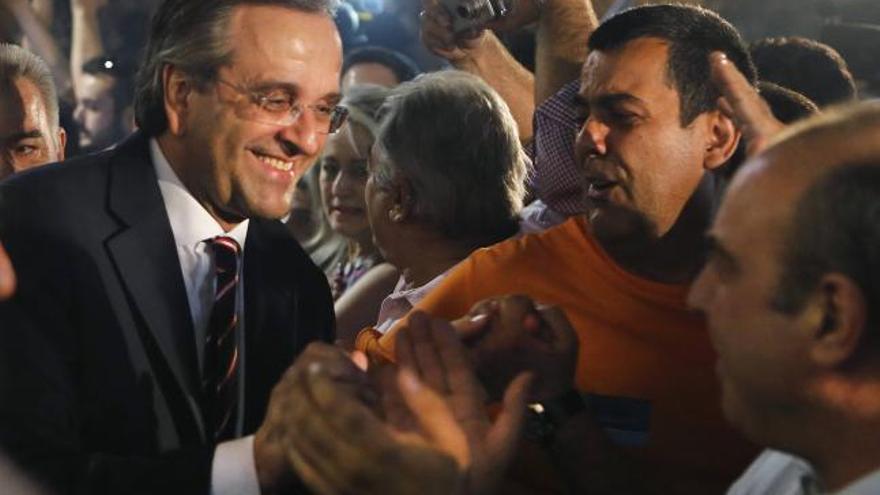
<point>145,255</point>
<point>270,282</point>
<point>268,287</point>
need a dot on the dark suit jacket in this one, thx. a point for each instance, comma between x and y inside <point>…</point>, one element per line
<point>99,390</point>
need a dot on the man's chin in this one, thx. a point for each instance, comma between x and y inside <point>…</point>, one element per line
<point>621,227</point>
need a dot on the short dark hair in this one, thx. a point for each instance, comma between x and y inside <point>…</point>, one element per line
<point>192,35</point>
<point>787,105</point>
<point>835,228</point>
<point>692,33</point>
<point>807,66</point>
<point>403,67</point>
<point>121,71</point>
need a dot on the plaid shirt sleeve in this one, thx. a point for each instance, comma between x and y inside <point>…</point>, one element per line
<point>557,178</point>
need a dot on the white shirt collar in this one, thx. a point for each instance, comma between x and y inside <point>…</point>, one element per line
<point>190,221</point>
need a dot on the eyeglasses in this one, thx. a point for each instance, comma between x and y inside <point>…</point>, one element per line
<point>278,107</point>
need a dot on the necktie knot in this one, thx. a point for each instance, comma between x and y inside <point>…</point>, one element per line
<point>226,253</point>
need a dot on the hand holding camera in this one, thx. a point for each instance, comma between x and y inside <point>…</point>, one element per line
<point>453,28</point>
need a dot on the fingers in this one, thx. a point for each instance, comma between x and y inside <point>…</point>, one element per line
<point>741,102</point>
<point>424,359</point>
<point>394,408</point>
<point>435,417</point>
<point>478,321</point>
<point>472,326</point>
<point>563,335</point>
<point>360,360</point>
<point>466,396</point>
<point>504,435</point>
<point>364,450</point>
<point>520,318</point>
<point>436,30</point>
<point>7,275</point>
<point>334,439</point>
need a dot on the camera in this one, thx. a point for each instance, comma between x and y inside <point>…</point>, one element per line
<point>470,14</point>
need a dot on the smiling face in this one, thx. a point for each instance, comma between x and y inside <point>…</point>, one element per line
<point>634,151</point>
<point>27,139</point>
<point>240,167</point>
<point>343,178</point>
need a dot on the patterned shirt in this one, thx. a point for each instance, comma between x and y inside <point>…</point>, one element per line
<point>557,179</point>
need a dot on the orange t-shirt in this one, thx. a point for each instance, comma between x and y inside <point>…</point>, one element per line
<point>645,365</point>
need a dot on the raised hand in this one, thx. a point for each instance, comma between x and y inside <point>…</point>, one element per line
<point>442,392</point>
<point>741,102</point>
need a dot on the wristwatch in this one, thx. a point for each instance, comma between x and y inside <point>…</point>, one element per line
<point>543,419</point>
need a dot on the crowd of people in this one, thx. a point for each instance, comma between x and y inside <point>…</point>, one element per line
<point>292,246</point>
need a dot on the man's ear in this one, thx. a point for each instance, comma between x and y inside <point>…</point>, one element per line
<point>723,138</point>
<point>177,89</point>
<point>841,322</point>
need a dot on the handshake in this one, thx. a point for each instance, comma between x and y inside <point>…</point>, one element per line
<point>420,425</point>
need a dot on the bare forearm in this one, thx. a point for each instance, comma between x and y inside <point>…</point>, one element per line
<point>41,42</point>
<point>563,30</point>
<point>516,85</point>
<point>85,37</point>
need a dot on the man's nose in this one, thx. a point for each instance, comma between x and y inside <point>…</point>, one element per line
<point>592,138</point>
<point>303,135</point>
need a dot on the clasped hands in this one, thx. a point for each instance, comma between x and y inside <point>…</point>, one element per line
<point>420,425</point>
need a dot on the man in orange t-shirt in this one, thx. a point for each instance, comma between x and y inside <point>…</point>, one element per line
<point>651,145</point>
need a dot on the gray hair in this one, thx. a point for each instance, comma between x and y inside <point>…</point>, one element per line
<point>193,35</point>
<point>16,62</point>
<point>453,139</point>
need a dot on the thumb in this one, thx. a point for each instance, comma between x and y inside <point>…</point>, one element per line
<point>472,326</point>
<point>563,335</point>
<point>505,432</point>
<point>435,417</point>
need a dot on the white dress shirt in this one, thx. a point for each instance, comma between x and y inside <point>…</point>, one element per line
<point>779,473</point>
<point>233,470</point>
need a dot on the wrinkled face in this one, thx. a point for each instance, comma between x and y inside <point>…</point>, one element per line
<point>633,149</point>
<point>343,178</point>
<point>27,139</point>
<point>242,167</point>
<point>369,73</point>
<point>762,353</point>
<point>96,112</point>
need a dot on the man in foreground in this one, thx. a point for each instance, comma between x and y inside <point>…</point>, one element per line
<point>789,292</point>
<point>652,145</point>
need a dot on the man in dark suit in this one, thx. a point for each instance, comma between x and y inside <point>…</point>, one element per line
<point>157,304</point>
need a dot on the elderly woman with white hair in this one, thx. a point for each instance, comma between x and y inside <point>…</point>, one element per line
<point>447,176</point>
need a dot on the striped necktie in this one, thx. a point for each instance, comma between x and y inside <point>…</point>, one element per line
<point>221,347</point>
